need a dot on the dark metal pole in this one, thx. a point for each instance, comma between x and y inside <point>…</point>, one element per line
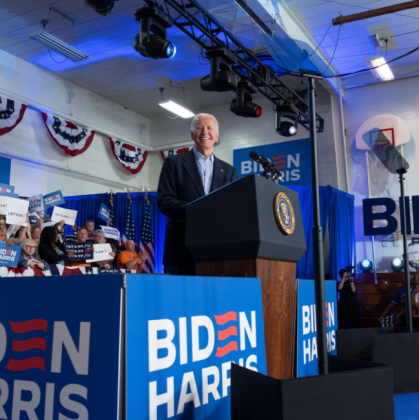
<point>408,302</point>
<point>317,239</point>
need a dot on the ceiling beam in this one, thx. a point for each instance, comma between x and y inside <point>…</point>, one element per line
<point>375,12</point>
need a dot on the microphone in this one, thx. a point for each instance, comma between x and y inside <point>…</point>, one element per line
<point>259,159</point>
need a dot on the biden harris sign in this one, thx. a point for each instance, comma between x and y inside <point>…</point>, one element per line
<point>291,158</point>
<point>182,340</point>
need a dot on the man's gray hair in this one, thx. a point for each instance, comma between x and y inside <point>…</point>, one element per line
<point>195,119</point>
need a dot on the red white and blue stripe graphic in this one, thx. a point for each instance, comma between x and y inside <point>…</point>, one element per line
<point>11,114</point>
<point>74,140</point>
<point>21,345</point>
<point>166,153</point>
<point>147,240</point>
<point>226,333</point>
<point>131,157</point>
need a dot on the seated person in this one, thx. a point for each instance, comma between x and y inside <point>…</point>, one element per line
<point>50,248</point>
<point>80,237</point>
<point>36,235</point>
<point>90,227</point>
<point>29,258</point>
<point>130,260</point>
<point>99,238</point>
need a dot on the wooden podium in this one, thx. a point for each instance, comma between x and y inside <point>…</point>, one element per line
<point>233,232</point>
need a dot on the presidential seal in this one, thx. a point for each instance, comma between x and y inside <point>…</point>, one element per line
<point>284,213</point>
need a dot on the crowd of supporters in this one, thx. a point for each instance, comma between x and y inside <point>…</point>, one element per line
<point>42,246</point>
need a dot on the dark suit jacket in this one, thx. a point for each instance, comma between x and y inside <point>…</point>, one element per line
<point>180,184</point>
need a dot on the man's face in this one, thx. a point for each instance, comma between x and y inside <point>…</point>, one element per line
<point>3,229</point>
<point>82,235</point>
<point>130,246</point>
<point>205,135</point>
<point>90,226</point>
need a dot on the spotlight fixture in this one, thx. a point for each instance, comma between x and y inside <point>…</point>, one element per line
<point>151,42</point>
<point>242,105</point>
<point>366,265</point>
<point>103,7</point>
<point>289,127</point>
<point>176,108</point>
<point>221,77</point>
<point>379,68</point>
<point>60,46</point>
<point>397,264</point>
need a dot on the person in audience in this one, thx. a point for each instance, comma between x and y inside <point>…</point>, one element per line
<point>130,260</point>
<point>80,237</point>
<point>29,258</point>
<point>60,226</point>
<point>349,315</point>
<point>119,250</point>
<point>47,218</point>
<point>399,299</point>
<point>21,234</point>
<point>50,248</point>
<point>90,227</point>
<point>36,235</point>
<point>99,238</point>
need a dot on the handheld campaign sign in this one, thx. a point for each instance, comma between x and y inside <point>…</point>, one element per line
<point>78,250</point>
<point>36,203</point>
<point>69,216</point>
<point>9,255</point>
<point>65,359</point>
<point>53,199</point>
<point>110,232</point>
<point>413,252</point>
<point>7,189</point>
<point>183,333</point>
<point>306,325</point>
<point>103,213</point>
<point>14,209</point>
<point>101,253</point>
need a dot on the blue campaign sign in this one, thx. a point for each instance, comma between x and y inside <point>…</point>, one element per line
<point>291,158</point>
<point>183,333</point>
<point>9,255</point>
<point>53,199</point>
<point>59,347</point>
<point>6,189</point>
<point>306,325</point>
<point>103,213</point>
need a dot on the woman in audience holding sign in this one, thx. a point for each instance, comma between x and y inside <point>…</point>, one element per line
<point>29,258</point>
<point>50,248</point>
<point>99,238</point>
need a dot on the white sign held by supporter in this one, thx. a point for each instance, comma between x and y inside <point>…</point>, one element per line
<point>413,252</point>
<point>47,224</point>
<point>14,209</point>
<point>110,232</point>
<point>69,216</point>
<point>36,203</point>
<point>101,253</point>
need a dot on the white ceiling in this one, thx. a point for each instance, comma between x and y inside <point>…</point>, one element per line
<point>115,71</point>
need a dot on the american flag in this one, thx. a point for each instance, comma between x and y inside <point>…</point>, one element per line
<point>147,239</point>
<point>129,229</point>
<point>111,213</point>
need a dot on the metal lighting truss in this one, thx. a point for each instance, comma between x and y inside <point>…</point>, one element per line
<point>192,19</point>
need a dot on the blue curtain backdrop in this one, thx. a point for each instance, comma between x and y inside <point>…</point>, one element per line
<point>336,215</point>
<point>88,207</point>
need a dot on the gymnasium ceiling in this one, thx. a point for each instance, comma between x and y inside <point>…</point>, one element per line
<point>118,73</point>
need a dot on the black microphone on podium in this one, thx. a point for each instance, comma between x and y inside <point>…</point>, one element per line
<point>267,166</point>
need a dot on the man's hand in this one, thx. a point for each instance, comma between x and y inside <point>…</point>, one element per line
<point>62,223</point>
<point>10,242</point>
<point>143,256</point>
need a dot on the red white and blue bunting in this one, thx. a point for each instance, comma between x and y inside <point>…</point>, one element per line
<point>11,114</point>
<point>132,158</point>
<point>172,152</point>
<point>74,140</point>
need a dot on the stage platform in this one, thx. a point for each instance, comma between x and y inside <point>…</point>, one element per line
<point>406,406</point>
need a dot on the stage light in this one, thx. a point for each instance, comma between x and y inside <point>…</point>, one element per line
<point>366,265</point>
<point>397,264</point>
<point>103,7</point>
<point>151,42</point>
<point>289,127</point>
<point>242,105</point>
<point>221,77</point>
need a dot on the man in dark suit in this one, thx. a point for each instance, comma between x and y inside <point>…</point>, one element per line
<point>183,179</point>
